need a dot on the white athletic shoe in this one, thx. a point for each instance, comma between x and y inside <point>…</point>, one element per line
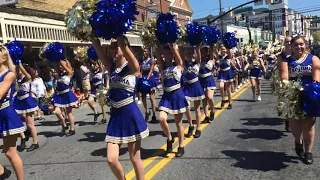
<point>148,95</point>
<point>139,102</point>
<point>259,98</point>
<point>136,99</point>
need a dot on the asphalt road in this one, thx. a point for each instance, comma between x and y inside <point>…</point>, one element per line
<point>247,142</point>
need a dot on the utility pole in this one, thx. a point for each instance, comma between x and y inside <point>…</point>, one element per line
<point>248,28</point>
<point>221,24</point>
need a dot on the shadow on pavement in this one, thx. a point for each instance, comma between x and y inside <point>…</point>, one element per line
<point>85,123</point>
<point>262,161</point>
<point>47,123</point>
<point>148,153</point>
<point>49,134</point>
<point>262,121</point>
<point>103,152</point>
<point>267,134</point>
<point>243,100</point>
<point>93,137</point>
<point>155,133</point>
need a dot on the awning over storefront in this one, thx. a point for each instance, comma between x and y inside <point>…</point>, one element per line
<point>40,30</point>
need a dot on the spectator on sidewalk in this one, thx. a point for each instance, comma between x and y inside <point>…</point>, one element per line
<point>85,75</point>
<point>38,86</point>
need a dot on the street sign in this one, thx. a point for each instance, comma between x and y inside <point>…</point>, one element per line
<point>243,10</point>
<point>8,2</point>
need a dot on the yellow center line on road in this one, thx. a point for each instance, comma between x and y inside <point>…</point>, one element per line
<point>156,168</point>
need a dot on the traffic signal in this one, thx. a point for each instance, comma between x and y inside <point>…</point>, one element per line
<point>242,17</point>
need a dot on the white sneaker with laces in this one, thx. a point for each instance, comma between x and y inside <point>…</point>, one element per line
<point>259,98</point>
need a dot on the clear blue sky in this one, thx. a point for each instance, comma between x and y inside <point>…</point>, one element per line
<point>203,8</point>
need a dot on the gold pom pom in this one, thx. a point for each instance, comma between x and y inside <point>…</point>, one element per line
<point>80,53</point>
<point>77,19</point>
<point>148,33</point>
<point>101,95</point>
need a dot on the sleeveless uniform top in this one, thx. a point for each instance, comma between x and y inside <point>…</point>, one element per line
<point>156,70</point>
<point>301,70</point>
<point>191,73</point>
<point>255,64</point>
<point>171,79</point>
<point>24,89</point>
<point>224,63</point>
<point>206,68</point>
<point>7,100</point>
<point>63,83</point>
<point>97,80</point>
<point>122,87</point>
<point>145,66</point>
<point>238,65</point>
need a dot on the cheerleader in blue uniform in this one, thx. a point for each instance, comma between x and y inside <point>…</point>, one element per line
<point>192,88</point>
<point>64,98</point>
<point>173,100</point>
<point>147,67</point>
<point>256,67</point>
<point>26,105</point>
<point>207,81</point>
<point>10,123</point>
<point>156,74</point>
<point>282,56</point>
<point>225,75</point>
<point>97,81</point>
<point>126,124</point>
<point>306,67</point>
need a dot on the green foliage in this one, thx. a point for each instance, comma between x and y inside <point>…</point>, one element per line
<point>316,37</point>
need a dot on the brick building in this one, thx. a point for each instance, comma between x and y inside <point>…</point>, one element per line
<point>182,9</point>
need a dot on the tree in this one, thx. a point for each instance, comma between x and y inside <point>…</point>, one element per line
<point>316,37</point>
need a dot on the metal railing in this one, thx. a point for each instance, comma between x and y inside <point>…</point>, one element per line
<point>32,29</point>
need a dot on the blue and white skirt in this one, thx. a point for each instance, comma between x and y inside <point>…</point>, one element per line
<point>193,91</point>
<point>255,73</point>
<point>173,102</point>
<point>26,105</point>
<point>226,76</point>
<point>10,122</point>
<point>207,83</point>
<point>126,125</point>
<point>67,99</point>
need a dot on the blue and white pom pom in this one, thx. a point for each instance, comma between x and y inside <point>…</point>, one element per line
<point>53,52</point>
<point>92,54</point>
<point>229,40</point>
<point>311,99</point>
<point>16,49</point>
<point>167,30</point>
<point>210,36</point>
<point>113,18</point>
<point>144,86</point>
<point>194,33</point>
